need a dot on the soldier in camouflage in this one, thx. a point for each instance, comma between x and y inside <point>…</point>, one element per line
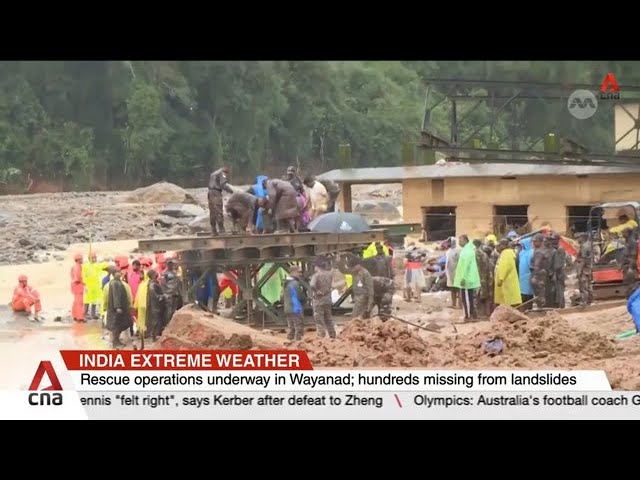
<point>172,288</point>
<point>362,290</point>
<point>630,260</point>
<point>559,262</point>
<point>584,269</point>
<point>383,290</point>
<point>539,271</point>
<point>217,183</point>
<point>320,284</point>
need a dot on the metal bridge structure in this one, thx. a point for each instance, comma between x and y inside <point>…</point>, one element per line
<point>553,143</point>
<point>241,257</point>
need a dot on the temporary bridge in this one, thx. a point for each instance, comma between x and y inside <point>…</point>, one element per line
<point>246,255</point>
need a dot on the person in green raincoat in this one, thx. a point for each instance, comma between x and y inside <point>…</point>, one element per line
<point>467,277</point>
<point>272,289</point>
<point>92,273</point>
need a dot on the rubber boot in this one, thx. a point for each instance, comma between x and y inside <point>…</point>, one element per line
<point>86,311</point>
<point>94,313</point>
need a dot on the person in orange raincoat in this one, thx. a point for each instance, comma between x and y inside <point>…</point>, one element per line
<point>77,289</point>
<point>161,264</point>
<point>26,297</point>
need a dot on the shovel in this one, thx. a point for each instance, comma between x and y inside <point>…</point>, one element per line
<point>627,334</point>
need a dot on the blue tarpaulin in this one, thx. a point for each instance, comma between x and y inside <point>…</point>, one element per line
<point>633,307</point>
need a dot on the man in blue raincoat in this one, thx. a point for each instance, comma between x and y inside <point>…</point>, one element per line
<point>259,191</point>
<point>633,307</point>
<point>524,272</point>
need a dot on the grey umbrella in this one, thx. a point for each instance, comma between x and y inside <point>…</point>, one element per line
<point>339,222</point>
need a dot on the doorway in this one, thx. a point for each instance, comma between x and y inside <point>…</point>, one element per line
<point>577,218</point>
<point>510,217</point>
<point>438,223</point>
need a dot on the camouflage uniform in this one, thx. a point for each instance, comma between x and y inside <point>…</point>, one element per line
<point>550,284</point>
<point>383,289</point>
<point>630,263</point>
<point>485,271</point>
<point>558,264</point>
<point>584,266</point>
<point>320,284</point>
<point>171,288</point>
<point>217,183</point>
<point>362,293</point>
<point>539,275</point>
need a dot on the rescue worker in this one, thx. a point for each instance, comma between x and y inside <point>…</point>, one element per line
<point>523,262</point>
<point>259,191</point>
<point>584,268</point>
<point>624,223</point>
<point>118,306</point>
<point>383,290</point>
<point>333,190</point>
<point>292,177</point>
<point>171,288</point>
<point>485,272</point>
<point>140,308</point>
<point>161,263</point>
<point>293,299</point>
<point>92,273</point>
<point>507,288</point>
<point>242,208</point>
<point>362,290</point>
<point>452,255</point>
<point>467,278</point>
<point>550,285</point>
<point>319,196</point>
<point>381,262</point>
<point>559,261</point>
<point>539,271</point>
<point>25,297</point>
<point>272,288</point>
<point>77,289</point>
<point>283,204</point>
<point>630,260</point>
<point>229,289</point>
<point>414,280</point>
<point>217,183</point>
<point>320,284</point>
<point>156,306</point>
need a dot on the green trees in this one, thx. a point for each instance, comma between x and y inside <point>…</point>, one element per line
<point>115,124</point>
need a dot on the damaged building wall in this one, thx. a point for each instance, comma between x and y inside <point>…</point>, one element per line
<point>547,197</point>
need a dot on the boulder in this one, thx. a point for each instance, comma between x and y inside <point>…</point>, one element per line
<point>506,314</point>
<point>162,192</point>
<point>200,224</point>
<point>183,210</point>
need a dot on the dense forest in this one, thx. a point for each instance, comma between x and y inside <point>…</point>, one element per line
<point>115,124</point>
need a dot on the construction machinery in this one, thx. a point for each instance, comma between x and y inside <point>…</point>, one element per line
<point>608,248</point>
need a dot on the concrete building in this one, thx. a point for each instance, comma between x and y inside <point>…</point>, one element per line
<point>476,199</point>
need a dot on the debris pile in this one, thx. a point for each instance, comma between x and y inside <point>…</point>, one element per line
<point>193,329</point>
<point>162,192</point>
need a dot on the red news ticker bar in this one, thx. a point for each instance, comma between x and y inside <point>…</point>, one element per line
<point>186,360</point>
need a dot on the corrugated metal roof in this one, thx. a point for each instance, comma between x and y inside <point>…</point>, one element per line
<point>457,169</point>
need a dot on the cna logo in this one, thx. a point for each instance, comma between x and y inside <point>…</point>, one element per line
<point>610,89</point>
<point>42,397</point>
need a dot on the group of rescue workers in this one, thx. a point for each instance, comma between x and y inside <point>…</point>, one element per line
<point>271,204</point>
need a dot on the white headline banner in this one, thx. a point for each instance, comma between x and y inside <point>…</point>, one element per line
<point>340,380</point>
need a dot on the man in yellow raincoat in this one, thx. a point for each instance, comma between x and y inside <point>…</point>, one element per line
<point>507,285</point>
<point>140,304</point>
<point>92,273</point>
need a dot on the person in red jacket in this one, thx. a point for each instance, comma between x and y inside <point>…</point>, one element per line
<point>77,289</point>
<point>25,297</point>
